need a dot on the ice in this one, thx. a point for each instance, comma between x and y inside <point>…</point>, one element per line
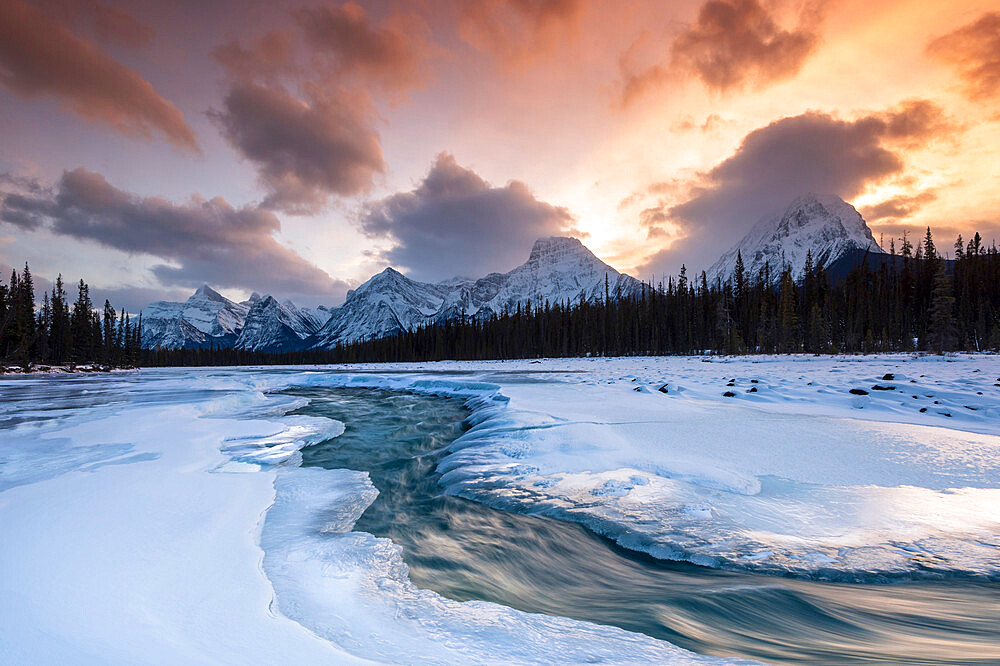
<point>353,589</point>
<point>162,515</point>
<point>830,484</point>
<point>200,540</point>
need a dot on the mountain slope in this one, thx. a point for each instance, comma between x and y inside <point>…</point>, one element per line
<point>272,326</point>
<point>558,270</point>
<point>386,304</point>
<point>824,225</point>
<point>204,318</point>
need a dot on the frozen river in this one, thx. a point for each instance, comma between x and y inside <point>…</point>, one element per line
<point>615,510</point>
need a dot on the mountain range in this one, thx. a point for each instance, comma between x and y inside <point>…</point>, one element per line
<point>558,270</point>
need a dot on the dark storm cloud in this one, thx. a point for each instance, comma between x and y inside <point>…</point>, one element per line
<point>455,223</point>
<point>731,44</point>
<point>303,151</point>
<point>813,152</point>
<point>974,50</point>
<point>206,240</point>
<point>41,57</point>
<point>343,39</point>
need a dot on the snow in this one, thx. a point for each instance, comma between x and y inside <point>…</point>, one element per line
<point>800,477</point>
<point>205,315</point>
<point>557,270</point>
<point>160,516</point>
<point>823,225</point>
<point>274,326</point>
<point>142,554</point>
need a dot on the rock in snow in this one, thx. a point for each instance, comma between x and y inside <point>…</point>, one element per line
<point>824,225</point>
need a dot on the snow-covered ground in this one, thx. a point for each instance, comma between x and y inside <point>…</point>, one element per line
<point>161,516</point>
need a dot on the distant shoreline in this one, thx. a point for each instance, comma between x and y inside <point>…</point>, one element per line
<point>46,369</point>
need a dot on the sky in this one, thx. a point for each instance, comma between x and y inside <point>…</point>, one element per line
<point>297,148</point>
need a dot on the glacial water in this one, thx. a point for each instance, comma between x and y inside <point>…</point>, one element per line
<point>465,550</point>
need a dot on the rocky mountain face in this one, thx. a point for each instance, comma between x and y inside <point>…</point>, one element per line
<point>558,270</point>
<point>207,317</point>
<point>272,326</point>
<point>824,225</point>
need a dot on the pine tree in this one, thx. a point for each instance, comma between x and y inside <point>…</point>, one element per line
<point>942,333</point>
<point>81,325</point>
<point>60,334</point>
<point>109,332</point>
<point>788,318</point>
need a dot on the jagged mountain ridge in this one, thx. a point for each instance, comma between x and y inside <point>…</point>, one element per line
<point>204,318</point>
<point>208,318</point>
<point>558,270</point>
<point>272,326</point>
<point>825,225</point>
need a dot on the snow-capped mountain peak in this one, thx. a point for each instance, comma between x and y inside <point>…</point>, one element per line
<point>821,224</point>
<point>558,270</point>
<point>274,326</point>
<point>206,293</point>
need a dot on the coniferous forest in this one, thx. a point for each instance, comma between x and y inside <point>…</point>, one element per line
<point>913,300</point>
<point>60,332</point>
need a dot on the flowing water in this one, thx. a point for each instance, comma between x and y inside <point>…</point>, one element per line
<point>465,550</point>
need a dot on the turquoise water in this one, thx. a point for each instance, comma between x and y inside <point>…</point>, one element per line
<point>464,550</point>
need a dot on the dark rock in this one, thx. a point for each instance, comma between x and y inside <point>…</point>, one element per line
<point>728,394</point>
<point>883,388</point>
<point>888,377</point>
<point>663,389</point>
<point>923,409</point>
<point>859,392</point>
<point>753,389</point>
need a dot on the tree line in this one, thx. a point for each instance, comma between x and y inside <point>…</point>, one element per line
<point>60,332</point>
<point>910,300</point>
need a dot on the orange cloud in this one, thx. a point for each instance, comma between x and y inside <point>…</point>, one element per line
<point>39,57</point>
<point>731,44</point>
<point>390,55</point>
<point>516,31</point>
<point>267,58</point>
<point>974,50</point>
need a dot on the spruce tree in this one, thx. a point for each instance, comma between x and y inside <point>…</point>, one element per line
<point>81,325</point>
<point>942,333</point>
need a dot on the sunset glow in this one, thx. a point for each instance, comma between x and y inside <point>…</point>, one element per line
<point>657,132</point>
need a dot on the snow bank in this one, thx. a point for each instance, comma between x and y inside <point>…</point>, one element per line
<point>783,480</point>
<point>793,474</point>
<point>197,538</point>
